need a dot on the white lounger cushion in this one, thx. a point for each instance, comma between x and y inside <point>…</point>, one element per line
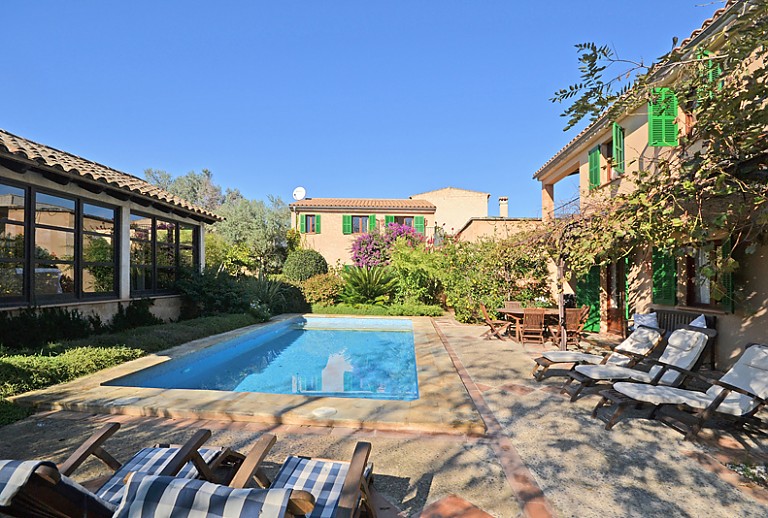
<point>750,373</point>
<point>683,350</point>
<point>641,341</point>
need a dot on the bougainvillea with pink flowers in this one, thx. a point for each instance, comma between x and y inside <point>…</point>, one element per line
<point>374,248</point>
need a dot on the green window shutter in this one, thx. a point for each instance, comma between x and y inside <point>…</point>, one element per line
<point>389,219</point>
<point>664,279</point>
<point>372,223</point>
<point>662,112</point>
<point>317,223</point>
<point>618,148</point>
<point>587,293</point>
<point>727,300</point>
<point>302,223</point>
<point>710,71</point>
<point>418,224</point>
<point>594,168</point>
<point>346,224</point>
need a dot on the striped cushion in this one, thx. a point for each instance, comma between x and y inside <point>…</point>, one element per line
<point>14,475</point>
<point>149,461</point>
<point>152,496</point>
<point>323,478</point>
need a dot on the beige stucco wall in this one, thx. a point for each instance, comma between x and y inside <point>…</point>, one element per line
<point>455,206</point>
<point>496,228</point>
<point>166,307</point>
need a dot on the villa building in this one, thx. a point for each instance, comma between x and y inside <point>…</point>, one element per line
<point>81,235</point>
<point>330,225</point>
<point>603,156</point>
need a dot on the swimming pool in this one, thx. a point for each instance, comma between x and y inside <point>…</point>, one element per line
<point>368,358</point>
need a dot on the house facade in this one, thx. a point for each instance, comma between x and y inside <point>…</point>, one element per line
<point>80,235</point>
<point>604,156</point>
<point>331,225</point>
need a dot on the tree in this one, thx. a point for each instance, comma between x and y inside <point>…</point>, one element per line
<point>196,188</point>
<point>710,187</point>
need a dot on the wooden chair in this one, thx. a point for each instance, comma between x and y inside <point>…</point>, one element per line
<point>513,304</point>
<point>50,485</point>
<point>533,325</point>
<point>341,489</point>
<point>575,320</point>
<point>497,327</point>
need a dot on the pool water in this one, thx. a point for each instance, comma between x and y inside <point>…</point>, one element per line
<point>340,357</point>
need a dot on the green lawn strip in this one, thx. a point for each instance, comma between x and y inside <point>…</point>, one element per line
<point>64,361</point>
<point>379,310</point>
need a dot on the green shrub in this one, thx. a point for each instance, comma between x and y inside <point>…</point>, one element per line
<point>137,314</point>
<point>212,291</point>
<point>368,285</point>
<point>11,412</point>
<point>33,327</point>
<point>304,263</point>
<point>375,309</point>
<point>325,288</point>
<point>260,312</point>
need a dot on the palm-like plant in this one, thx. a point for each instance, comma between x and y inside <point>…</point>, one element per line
<point>368,285</point>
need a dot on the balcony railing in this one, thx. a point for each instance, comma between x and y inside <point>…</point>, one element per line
<point>569,208</point>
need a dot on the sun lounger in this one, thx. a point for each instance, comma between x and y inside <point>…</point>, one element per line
<point>341,489</point>
<point>738,395</point>
<point>684,348</point>
<point>641,342</point>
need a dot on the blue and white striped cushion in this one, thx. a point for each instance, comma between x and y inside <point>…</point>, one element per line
<point>152,496</point>
<point>149,461</point>
<point>14,474</point>
<point>323,478</point>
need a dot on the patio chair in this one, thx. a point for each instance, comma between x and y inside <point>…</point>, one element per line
<point>497,327</point>
<point>642,342</point>
<point>684,348</point>
<point>186,461</point>
<point>737,395</point>
<point>575,320</point>
<point>533,325</point>
<point>341,489</point>
<point>513,304</point>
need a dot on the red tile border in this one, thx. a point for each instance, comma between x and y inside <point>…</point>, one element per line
<point>453,506</point>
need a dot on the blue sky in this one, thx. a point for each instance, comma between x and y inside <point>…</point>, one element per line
<point>346,98</point>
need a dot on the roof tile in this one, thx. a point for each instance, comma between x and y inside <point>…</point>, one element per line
<point>363,203</point>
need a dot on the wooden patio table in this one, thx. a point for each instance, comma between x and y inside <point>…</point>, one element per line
<point>516,314</point>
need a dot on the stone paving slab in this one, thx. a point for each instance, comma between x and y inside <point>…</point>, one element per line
<point>443,406</point>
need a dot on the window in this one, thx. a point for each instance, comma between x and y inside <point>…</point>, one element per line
<point>662,116</point>
<point>65,249</point>
<point>12,242</point>
<point>360,224</point>
<point>709,71</point>
<point>704,289</point>
<point>404,220</point>
<point>159,248</point>
<point>594,168</point>
<point>309,224</point>
<point>617,151</point>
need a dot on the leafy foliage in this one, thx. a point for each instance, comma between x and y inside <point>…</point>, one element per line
<point>418,279</point>
<point>303,264</point>
<point>709,188</point>
<point>378,309</point>
<point>368,285</point>
<point>137,314</point>
<point>33,327</point>
<point>325,288</point>
<point>375,248</point>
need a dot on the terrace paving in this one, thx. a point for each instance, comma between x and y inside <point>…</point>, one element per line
<point>540,454</point>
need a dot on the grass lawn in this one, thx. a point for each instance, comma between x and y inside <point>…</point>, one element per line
<point>58,362</point>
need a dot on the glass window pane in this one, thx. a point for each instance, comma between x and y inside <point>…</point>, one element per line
<point>11,202</point>
<point>141,278</point>
<point>166,256</point>
<point>55,211</point>
<point>186,257</point>
<point>98,279</point>
<point>54,244</point>
<point>141,227</point>
<point>166,278</point>
<point>98,249</point>
<point>141,253</point>
<point>11,279</point>
<point>98,219</point>
<point>166,232</point>
<point>186,235</point>
<point>54,279</point>
<point>11,241</point>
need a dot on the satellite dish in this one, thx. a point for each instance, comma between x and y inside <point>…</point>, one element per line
<point>299,193</point>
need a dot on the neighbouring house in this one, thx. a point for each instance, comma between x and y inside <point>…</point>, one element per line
<point>81,235</point>
<point>603,155</point>
<point>330,225</point>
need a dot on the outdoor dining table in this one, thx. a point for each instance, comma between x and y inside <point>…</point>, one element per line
<point>516,315</point>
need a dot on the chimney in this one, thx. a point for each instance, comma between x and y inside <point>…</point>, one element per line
<point>503,206</point>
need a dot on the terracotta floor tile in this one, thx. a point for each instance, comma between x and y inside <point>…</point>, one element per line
<point>453,506</point>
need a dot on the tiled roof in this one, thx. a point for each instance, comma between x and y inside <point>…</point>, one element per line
<point>61,161</point>
<point>449,188</point>
<point>599,122</point>
<point>363,203</point>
